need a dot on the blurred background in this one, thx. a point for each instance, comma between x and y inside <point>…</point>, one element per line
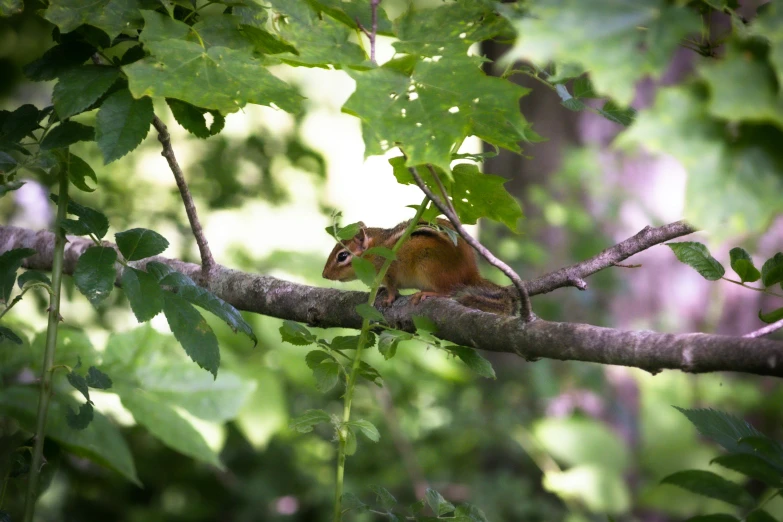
<point>545,441</point>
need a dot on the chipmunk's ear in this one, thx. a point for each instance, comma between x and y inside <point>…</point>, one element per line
<point>362,239</point>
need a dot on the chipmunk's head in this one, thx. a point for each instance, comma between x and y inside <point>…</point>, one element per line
<point>338,266</point>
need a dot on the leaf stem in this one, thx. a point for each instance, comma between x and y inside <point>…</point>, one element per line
<point>763,290</point>
<point>49,349</point>
<point>351,384</point>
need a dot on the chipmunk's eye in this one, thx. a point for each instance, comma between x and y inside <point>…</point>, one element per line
<point>342,256</point>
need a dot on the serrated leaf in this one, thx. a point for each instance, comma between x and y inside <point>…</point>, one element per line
<point>425,324</point>
<point>159,270</point>
<point>140,243</point>
<point>438,504</point>
<point>67,133</point>
<point>192,331</point>
<point>742,264</point>
<point>472,513</point>
<point>387,344</point>
<point>326,374</point>
<point>80,421</point>
<point>474,361</point>
<point>305,422</point>
<point>122,124</point>
<point>752,466</point>
<point>33,276</point>
<point>90,220</point>
<point>771,317</point>
<point>710,485</point>
<point>78,170</point>
<point>429,111</point>
<point>97,379</point>
<point>382,496</point>
<point>177,69</point>
<point>168,426</point>
<point>296,334</point>
<point>95,273</point>
<point>7,333</point>
<point>364,269</point>
<point>10,262</point>
<point>350,342</point>
<point>367,428</point>
<point>143,293</point>
<point>370,313</point>
<point>192,118</point>
<point>698,257</point>
<point>349,502</point>
<point>316,357</point>
<point>110,16</point>
<point>772,270</point>
<point>766,448</point>
<point>343,233</point>
<point>205,299</point>
<point>21,122</point>
<point>57,60</point>
<point>79,383</point>
<point>80,87</point>
<point>613,112</point>
<point>371,374</point>
<point>721,427</point>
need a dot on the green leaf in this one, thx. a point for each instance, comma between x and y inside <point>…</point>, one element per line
<point>752,466</point>
<point>326,375</point>
<point>90,220</point>
<point>429,111</point>
<point>33,276</point>
<point>742,264</point>
<point>613,112</point>
<point>102,443</point>
<point>772,270</point>
<point>305,422</point>
<point>367,428</point>
<point>80,421</point>
<point>382,496</point>
<point>7,333</point>
<point>78,170</point>
<point>717,517</point>
<point>10,262</point>
<point>122,123</point>
<point>349,11</point>
<point>759,515</point>
<point>10,8</point>
<point>771,317</point>
<point>167,425</point>
<point>177,69</point>
<point>22,122</point>
<point>5,188</point>
<point>58,59</point>
<point>424,324</point>
<point>721,427</point>
<point>143,293</point>
<point>79,383</point>
<point>140,243</point>
<point>474,361</point>
<point>389,340</point>
<point>476,195</point>
<point>364,269</point>
<point>95,273</point>
<point>370,313</point>
<point>192,331</point>
<point>448,29</point>
<point>97,379</point>
<point>80,87</point>
<point>709,484</point>
<point>438,504</point>
<point>350,342</point>
<point>350,441</point>
<point>111,16</point>
<point>698,257</point>
<point>205,299</point>
<point>350,502</point>
<point>192,118</point>
<point>766,448</point>
<point>343,233</point>
<point>316,357</point>
<point>618,42</point>
<point>296,334</point>
<point>473,514</point>
<point>67,133</point>
<point>381,251</point>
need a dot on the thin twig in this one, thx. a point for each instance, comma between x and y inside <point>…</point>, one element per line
<point>574,275</point>
<point>372,33</point>
<point>526,311</point>
<point>207,261</point>
<point>620,265</point>
<point>761,332</point>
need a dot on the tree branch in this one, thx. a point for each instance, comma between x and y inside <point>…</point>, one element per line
<point>574,275</point>
<point>766,330</point>
<point>526,311</point>
<point>207,261</point>
<point>326,307</point>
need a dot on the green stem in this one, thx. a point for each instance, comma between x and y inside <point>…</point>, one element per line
<point>351,384</point>
<point>744,285</point>
<point>51,344</point>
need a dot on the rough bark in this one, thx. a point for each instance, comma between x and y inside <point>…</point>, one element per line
<point>326,307</point>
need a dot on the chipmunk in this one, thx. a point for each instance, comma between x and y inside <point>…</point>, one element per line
<point>428,261</point>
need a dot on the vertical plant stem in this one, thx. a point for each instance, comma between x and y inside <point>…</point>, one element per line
<point>49,349</point>
<point>351,384</point>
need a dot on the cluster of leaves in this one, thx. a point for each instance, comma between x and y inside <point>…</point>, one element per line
<point>442,509</point>
<point>697,256</point>
<point>750,453</point>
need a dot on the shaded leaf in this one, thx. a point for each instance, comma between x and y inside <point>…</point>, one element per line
<point>90,220</point>
<point>33,276</point>
<point>82,419</point>
<point>7,333</point>
<point>709,484</point>
<point>370,313</point>
<point>438,504</point>
<point>78,170</point>
<point>326,375</point>
<point>474,361</point>
<point>58,59</point>
<point>95,273</point>
<point>382,496</point>
<point>305,422</point>
<point>192,331</point>
<point>140,243</point>
<point>122,123</point>
<point>205,299</point>
<point>367,428</point>
<point>698,257</point>
<point>80,87</point>
<point>67,133</point>
<point>10,262</point>
<point>296,334</point>
<point>742,264</point>
<point>364,269</point>
<point>772,270</point>
<point>192,118</point>
<point>143,293</point>
<point>98,379</point>
<point>752,466</point>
